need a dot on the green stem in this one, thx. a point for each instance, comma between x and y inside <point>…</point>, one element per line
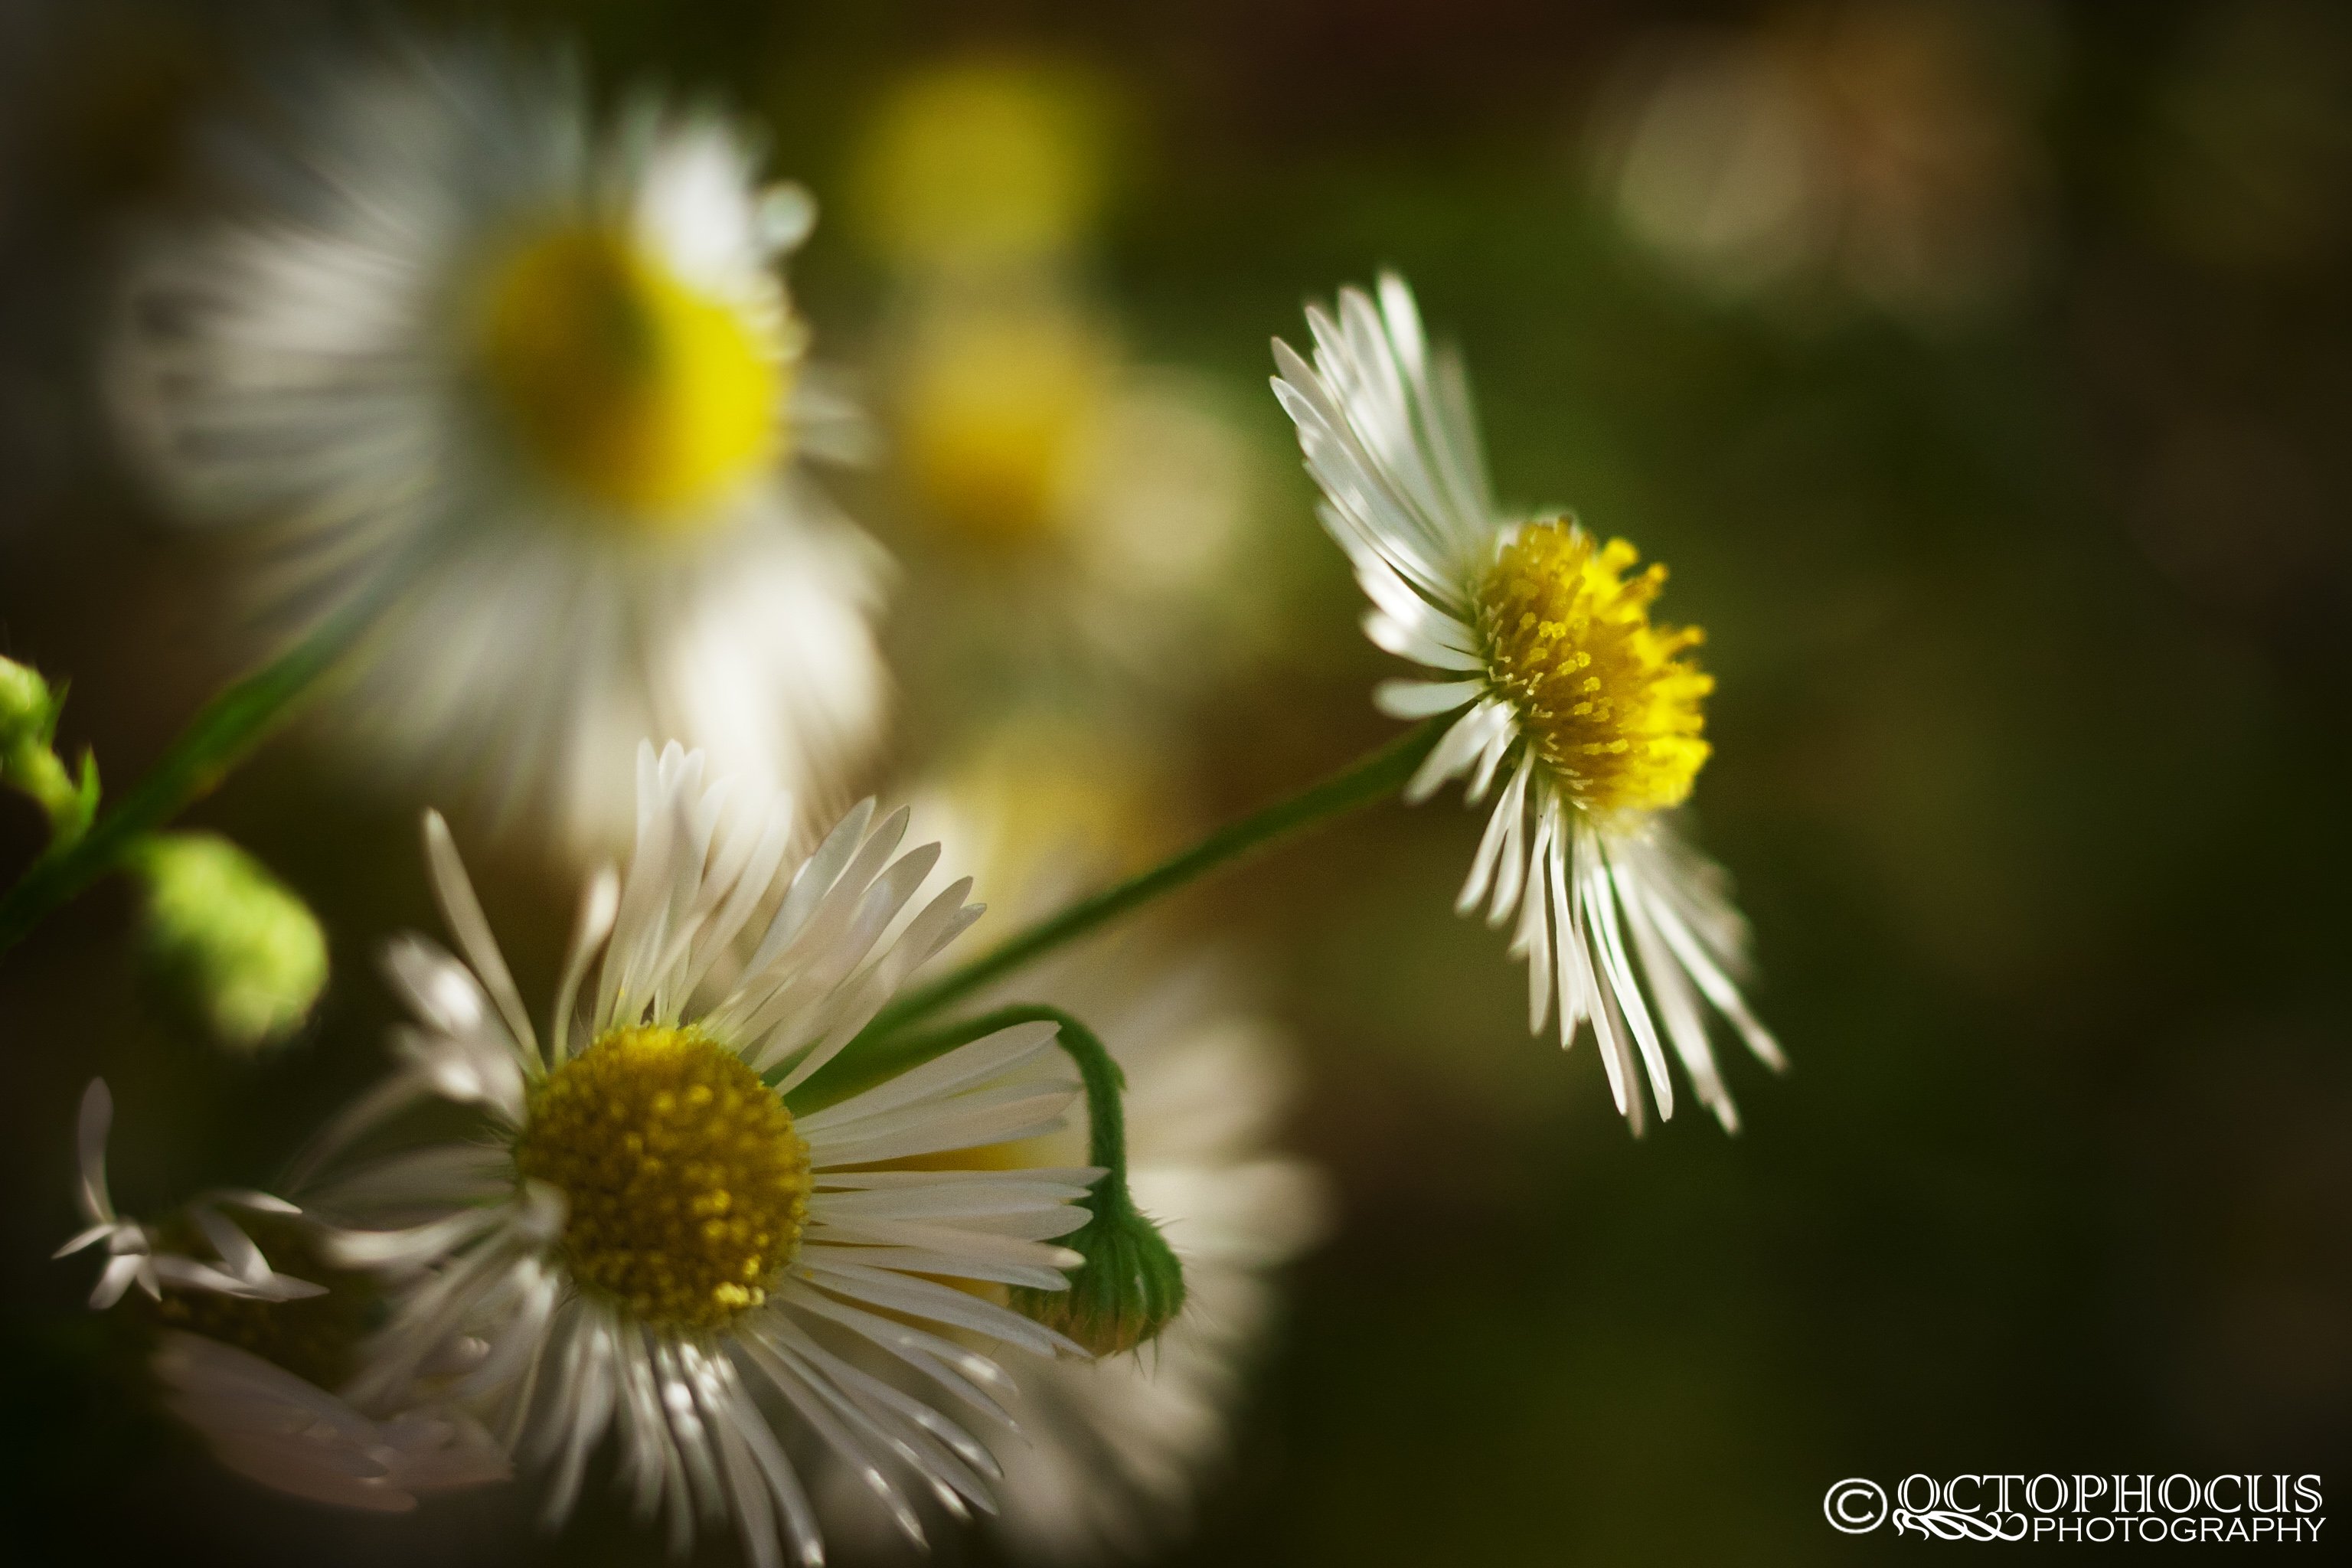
<point>1368,779</point>
<point>216,740</point>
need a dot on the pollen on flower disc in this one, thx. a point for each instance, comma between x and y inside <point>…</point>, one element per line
<point>686,1183</point>
<point>1606,698</point>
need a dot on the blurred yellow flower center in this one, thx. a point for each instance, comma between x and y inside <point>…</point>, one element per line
<point>995,409</point>
<point>687,1185</point>
<point>1605,698</point>
<point>982,161</point>
<point>625,384</point>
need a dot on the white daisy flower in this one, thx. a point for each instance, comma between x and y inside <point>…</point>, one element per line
<point>537,372</point>
<point>1587,713</point>
<point>260,1418</point>
<point>655,1233</point>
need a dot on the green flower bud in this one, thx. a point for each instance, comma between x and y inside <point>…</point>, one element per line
<point>227,940</point>
<point>1129,1288</point>
<point>28,720</point>
<point>26,709</point>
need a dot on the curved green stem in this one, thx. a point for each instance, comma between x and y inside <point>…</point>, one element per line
<point>215,742</point>
<point>1368,779</point>
<point>1130,1286</point>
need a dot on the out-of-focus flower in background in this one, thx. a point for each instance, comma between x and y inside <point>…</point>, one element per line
<point>1093,507</point>
<point>247,1354</point>
<point>651,1246</point>
<point>532,374</point>
<point>1883,152</point>
<point>1046,804</point>
<point>1121,1449</point>
<point>985,164</point>
<point>1118,1450</point>
<point>1069,509</point>
<point>1557,683</point>
<point>997,402</point>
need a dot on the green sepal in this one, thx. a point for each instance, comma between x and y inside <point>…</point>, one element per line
<point>1129,1288</point>
<point>1129,1285</point>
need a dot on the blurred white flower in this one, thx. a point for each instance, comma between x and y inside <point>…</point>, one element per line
<point>263,1420</point>
<point>649,1240</point>
<point>1103,505</point>
<point>535,373</point>
<point>1587,713</point>
<point>269,1426</point>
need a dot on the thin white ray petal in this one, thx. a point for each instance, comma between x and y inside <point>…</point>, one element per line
<point>1600,912</point>
<point>455,893</point>
<point>1714,983</point>
<point>597,910</point>
<point>90,1150</point>
<point>1423,699</point>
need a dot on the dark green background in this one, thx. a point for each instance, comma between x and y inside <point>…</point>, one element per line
<point>2035,659</point>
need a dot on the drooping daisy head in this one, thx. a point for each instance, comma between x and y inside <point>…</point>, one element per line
<point>534,367</point>
<point>1117,1452</point>
<point>1539,639</point>
<point>1118,1449</point>
<point>1122,1448</point>
<point>249,1355</point>
<point>673,1212</point>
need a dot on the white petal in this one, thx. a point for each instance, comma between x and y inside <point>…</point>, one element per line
<point>89,1147</point>
<point>455,894</point>
<point>1422,698</point>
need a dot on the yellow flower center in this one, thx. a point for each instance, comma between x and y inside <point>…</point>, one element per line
<point>621,381</point>
<point>687,1185</point>
<point>1605,699</point>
